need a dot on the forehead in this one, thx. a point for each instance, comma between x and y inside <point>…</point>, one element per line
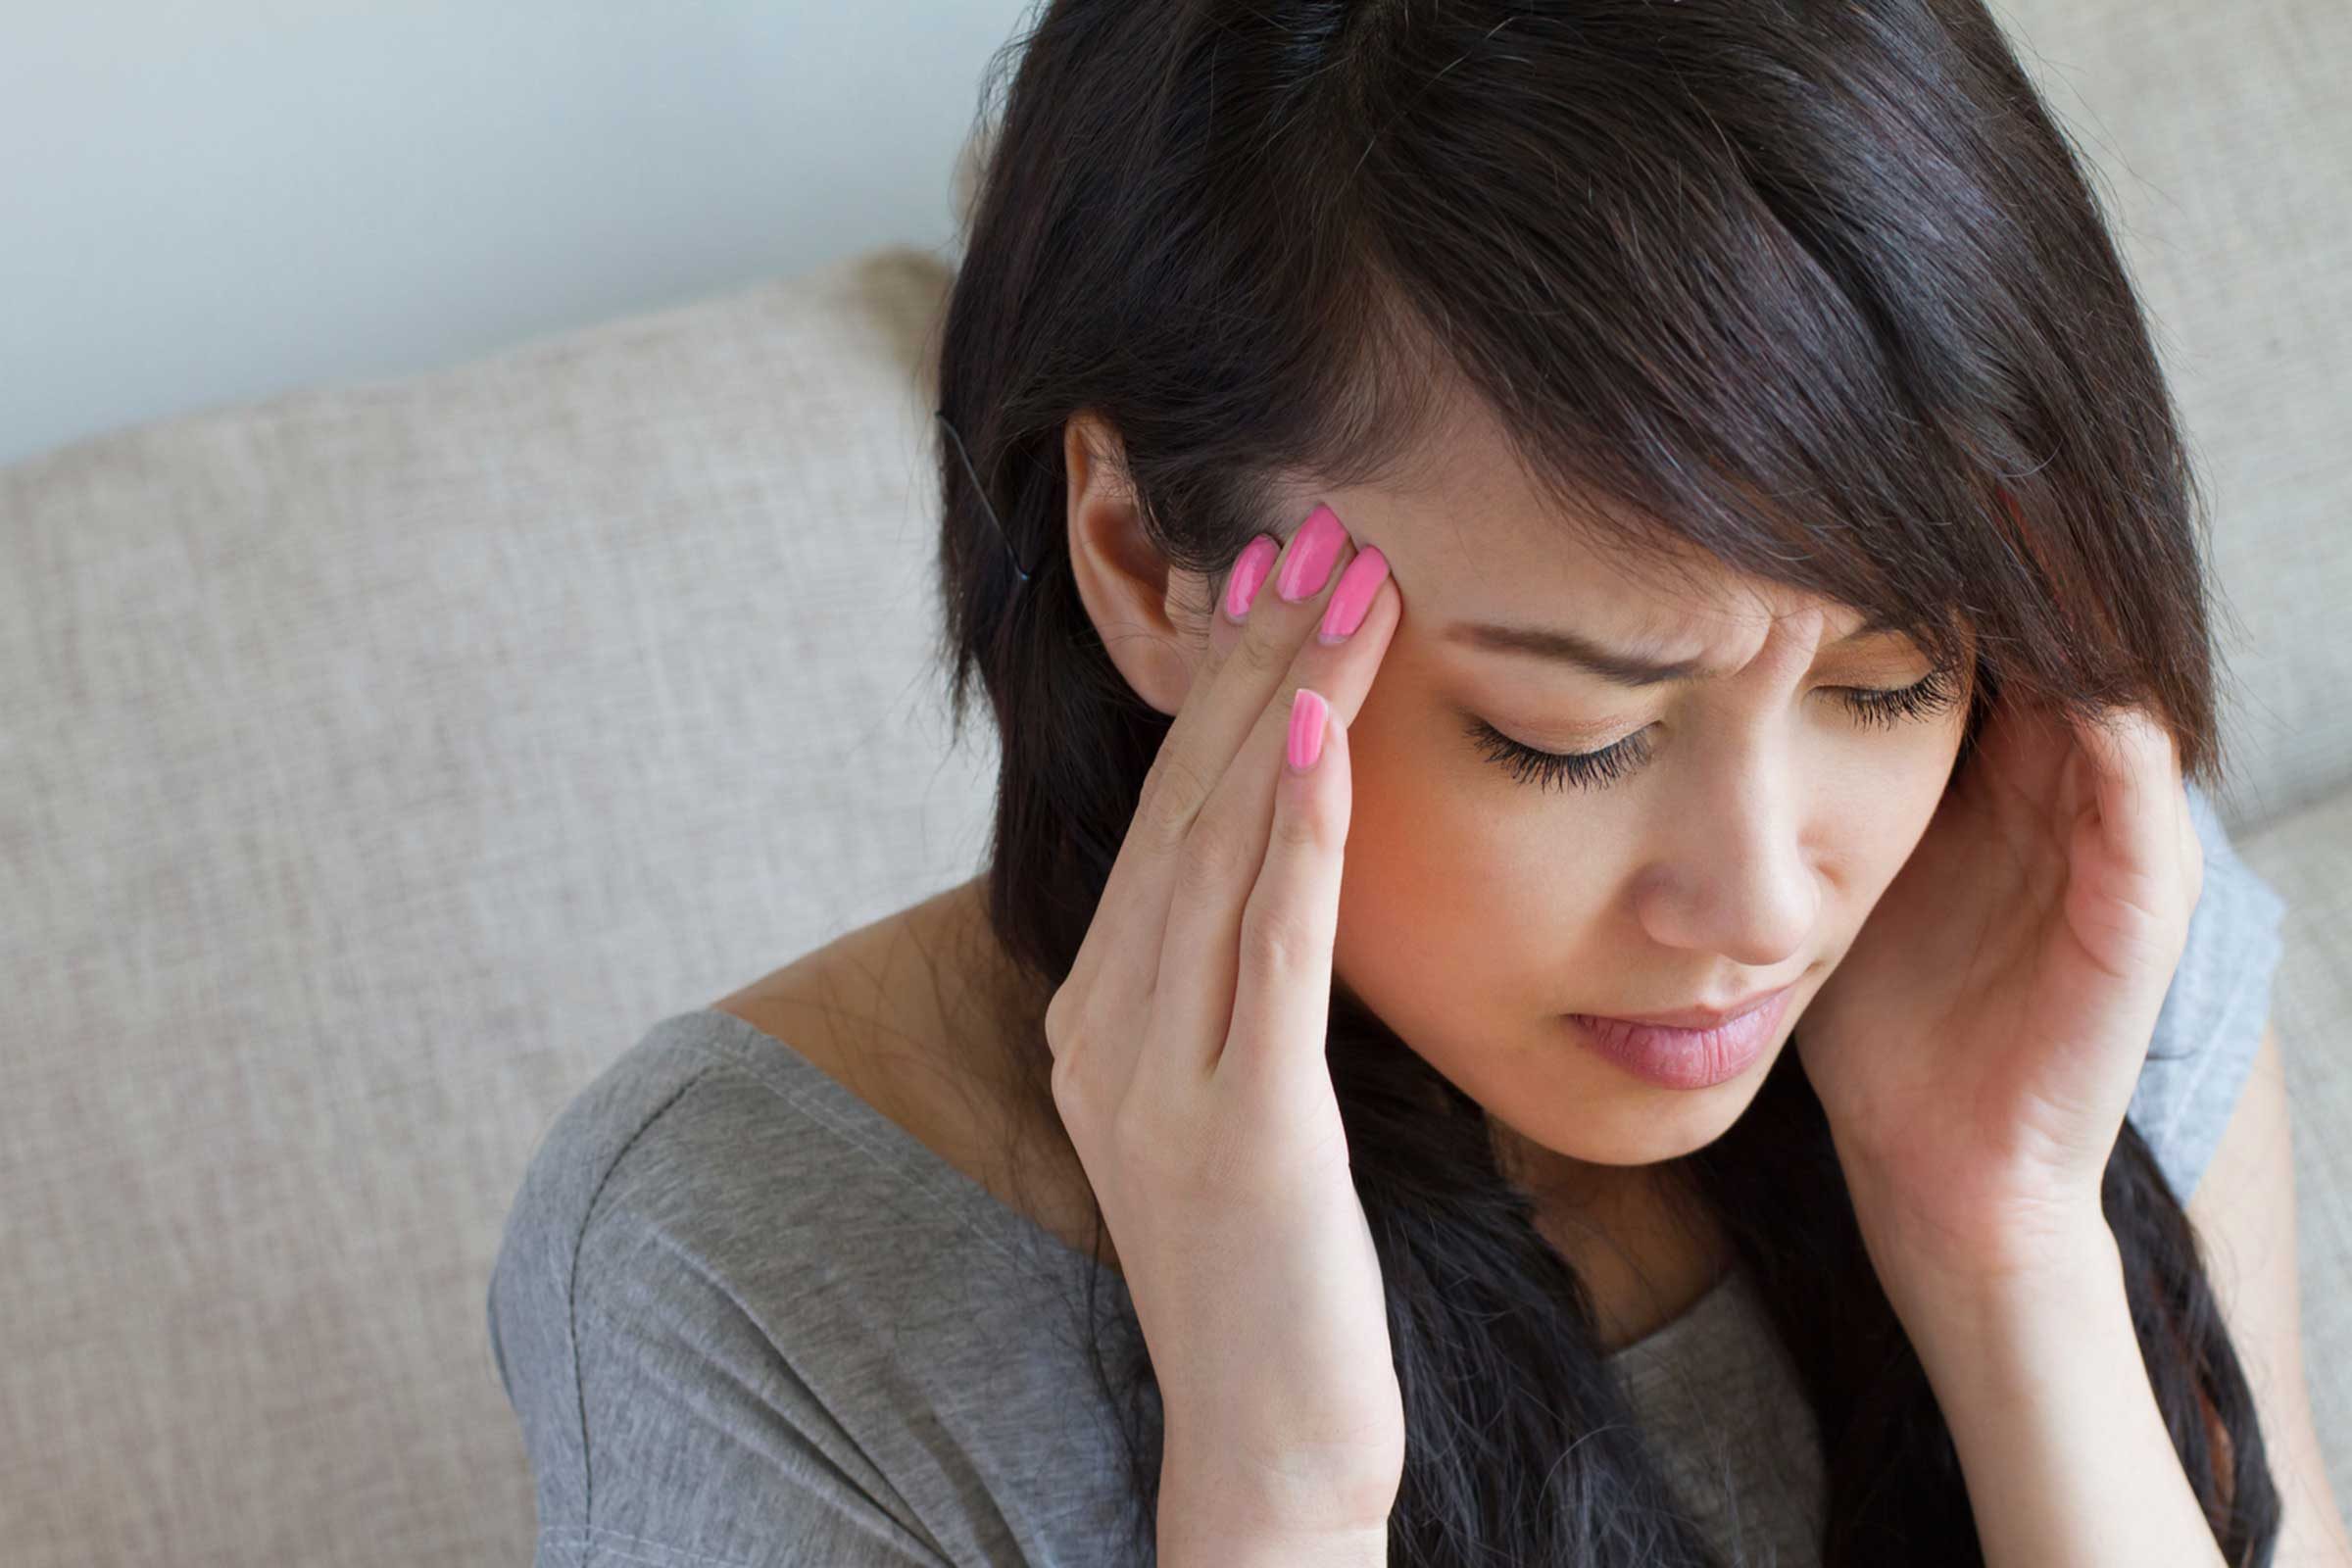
<point>1471,536</point>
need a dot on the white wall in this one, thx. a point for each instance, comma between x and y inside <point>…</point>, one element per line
<point>210,202</point>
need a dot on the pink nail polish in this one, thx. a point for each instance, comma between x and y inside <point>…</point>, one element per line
<point>1308,563</point>
<point>1353,595</point>
<point>1308,709</point>
<point>1250,570</point>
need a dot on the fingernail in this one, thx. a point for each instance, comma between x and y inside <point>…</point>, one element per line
<point>1353,595</point>
<point>1306,729</point>
<point>1250,570</point>
<point>1308,565</point>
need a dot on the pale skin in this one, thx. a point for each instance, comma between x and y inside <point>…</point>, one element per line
<point>1746,857</point>
<point>1747,850</point>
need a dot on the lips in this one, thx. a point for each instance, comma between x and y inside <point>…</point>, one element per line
<point>1697,1017</point>
<point>1688,1059</point>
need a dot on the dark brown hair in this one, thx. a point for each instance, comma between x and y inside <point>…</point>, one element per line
<point>1818,287</point>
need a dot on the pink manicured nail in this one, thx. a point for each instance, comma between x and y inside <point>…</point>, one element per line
<point>1306,729</point>
<point>1312,551</point>
<point>1249,572</point>
<point>1353,595</point>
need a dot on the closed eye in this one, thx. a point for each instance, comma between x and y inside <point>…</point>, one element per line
<point>1873,706</point>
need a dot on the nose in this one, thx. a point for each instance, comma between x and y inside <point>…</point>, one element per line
<point>1731,874</point>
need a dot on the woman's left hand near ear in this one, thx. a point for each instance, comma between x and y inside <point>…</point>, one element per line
<point>1977,1043</point>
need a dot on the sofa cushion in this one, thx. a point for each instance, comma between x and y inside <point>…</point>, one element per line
<point>378,759</point>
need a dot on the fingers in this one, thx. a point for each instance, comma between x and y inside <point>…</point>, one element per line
<point>1209,876</point>
<point>2114,775</point>
<point>1248,663</point>
<point>1123,941</point>
<point>1290,923</point>
<point>2022,752</point>
<point>2134,768</point>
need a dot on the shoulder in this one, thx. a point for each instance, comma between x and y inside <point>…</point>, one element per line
<point>688,1159</point>
<point>718,1279</point>
<point>742,1319</point>
<point>2214,1013</point>
<point>713,1152</point>
<point>631,1130</point>
<point>561,1187</point>
<point>646,1378</point>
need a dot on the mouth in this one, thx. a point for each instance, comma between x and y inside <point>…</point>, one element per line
<point>1696,1018</point>
<point>1675,1056</point>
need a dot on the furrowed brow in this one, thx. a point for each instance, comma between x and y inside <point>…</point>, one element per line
<point>1636,667</point>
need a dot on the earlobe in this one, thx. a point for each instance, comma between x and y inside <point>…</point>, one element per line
<point>1131,595</point>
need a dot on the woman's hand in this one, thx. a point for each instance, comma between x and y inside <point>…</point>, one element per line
<point>1978,1045</point>
<point>1188,1067</point>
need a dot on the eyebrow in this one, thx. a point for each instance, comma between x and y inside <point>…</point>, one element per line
<point>1634,668</point>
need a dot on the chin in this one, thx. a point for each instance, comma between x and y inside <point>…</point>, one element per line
<point>1632,1123</point>
<point>1647,1139</point>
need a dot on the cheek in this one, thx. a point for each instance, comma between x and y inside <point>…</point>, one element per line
<point>1903,787</point>
<point>1878,807</point>
<point>1414,852</point>
<point>1420,847</point>
<point>1449,904</point>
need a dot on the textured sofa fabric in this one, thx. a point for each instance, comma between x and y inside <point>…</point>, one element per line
<point>378,762</point>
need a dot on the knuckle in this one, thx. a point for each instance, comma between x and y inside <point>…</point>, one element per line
<point>1073,1019</point>
<point>1259,653</point>
<point>1064,1076</point>
<point>1214,859</point>
<point>1166,813</point>
<point>1276,940</point>
<point>1071,1081</point>
<point>1058,1008</point>
<point>1300,826</point>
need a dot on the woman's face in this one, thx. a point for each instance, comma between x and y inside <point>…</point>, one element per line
<point>1744,827</point>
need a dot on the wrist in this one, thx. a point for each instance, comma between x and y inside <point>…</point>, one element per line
<point>2071,1273</point>
<point>1224,1507</point>
<point>1224,1549</point>
<point>2039,1374</point>
<point>1992,1251</point>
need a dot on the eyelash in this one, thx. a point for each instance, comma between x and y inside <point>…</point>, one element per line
<point>1873,706</point>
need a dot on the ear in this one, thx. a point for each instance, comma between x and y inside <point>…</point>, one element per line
<point>1153,621</point>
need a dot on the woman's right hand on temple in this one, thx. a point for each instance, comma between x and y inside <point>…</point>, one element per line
<point>1188,1067</point>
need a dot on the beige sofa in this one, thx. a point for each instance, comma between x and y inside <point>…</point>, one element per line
<point>378,762</point>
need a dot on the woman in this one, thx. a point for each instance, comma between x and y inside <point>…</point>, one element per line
<point>1762,563</point>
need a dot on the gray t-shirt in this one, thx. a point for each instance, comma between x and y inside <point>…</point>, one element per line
<point>746,1319</point>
